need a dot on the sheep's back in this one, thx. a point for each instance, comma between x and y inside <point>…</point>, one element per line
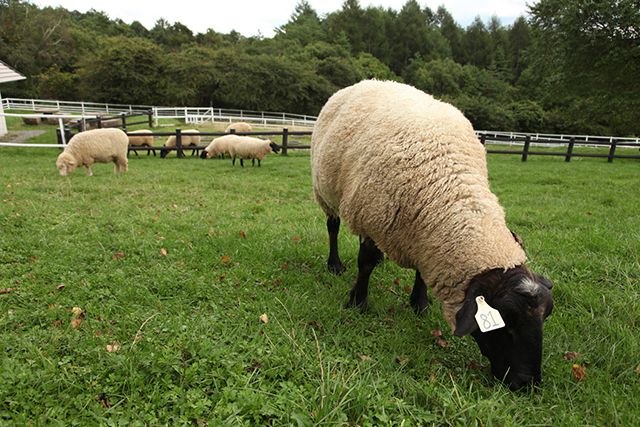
<point>408,171</point>
<point>99,144</point>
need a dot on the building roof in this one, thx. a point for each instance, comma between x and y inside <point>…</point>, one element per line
<point>8,74</point>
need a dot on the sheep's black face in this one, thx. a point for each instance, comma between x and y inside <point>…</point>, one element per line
<point>524,301</point>
<point>274,147</point>
<point>163,153</point>
<point>203,155</point>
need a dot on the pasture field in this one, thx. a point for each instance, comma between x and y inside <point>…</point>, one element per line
<point>173,264</point>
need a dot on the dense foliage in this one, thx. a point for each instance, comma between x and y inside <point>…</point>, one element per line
<point>571,66</point>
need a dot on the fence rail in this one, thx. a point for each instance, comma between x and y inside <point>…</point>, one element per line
<point>188,114</point>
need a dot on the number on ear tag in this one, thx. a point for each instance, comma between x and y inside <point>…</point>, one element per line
<point>487,317</point>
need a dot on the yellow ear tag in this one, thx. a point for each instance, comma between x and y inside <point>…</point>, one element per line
<point>487,317</point>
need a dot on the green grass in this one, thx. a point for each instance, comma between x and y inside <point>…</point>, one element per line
<point>243,242</point>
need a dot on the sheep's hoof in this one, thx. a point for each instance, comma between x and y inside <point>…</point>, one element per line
<point>362,305</point>
<point>336,268</point>
<point>421,306</point>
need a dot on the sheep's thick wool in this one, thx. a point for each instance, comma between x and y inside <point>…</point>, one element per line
<point>239,127</point>
<point>97,146</point>
<point>408,171</point>
<point>247,147</point>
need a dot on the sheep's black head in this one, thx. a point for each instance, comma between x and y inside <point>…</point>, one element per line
<point>163,152</point>
<point>524,301</point>
<point>274,147</point>
<point>203,154</point>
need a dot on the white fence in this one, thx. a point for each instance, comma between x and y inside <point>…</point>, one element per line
<point>196,115</point>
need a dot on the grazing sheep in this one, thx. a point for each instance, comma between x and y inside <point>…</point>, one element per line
<point>409,176</point>
<point>247,147</point>
<point>219,146</point>
<point>239,127</point>
<point>187,141</point>
<point>144,140</point>
<point>98,145</point>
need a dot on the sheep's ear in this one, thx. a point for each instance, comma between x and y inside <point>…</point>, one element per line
<point>465,318</point>
<point>518,239</point>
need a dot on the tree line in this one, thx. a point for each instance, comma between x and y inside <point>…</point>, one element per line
<point>565,68</point>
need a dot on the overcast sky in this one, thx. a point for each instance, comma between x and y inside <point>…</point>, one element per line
<point>252,16</point>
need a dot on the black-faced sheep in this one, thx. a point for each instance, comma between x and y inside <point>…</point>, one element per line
<point>247,147</point>
<point>141,138</point>
<point>89,147</point>
<point>408,175</point>
<point>188,141</point>
<point>239,127</point>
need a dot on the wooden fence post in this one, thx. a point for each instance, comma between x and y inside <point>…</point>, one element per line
<point>99,122</point>
<point>123,117</point>
<point>525,151</point>
<point>150,114</point>
<point>483,139</point>
<point>179,153</point>
<point>612,150</point>
<point>572,141</point>
<point>285,141</point>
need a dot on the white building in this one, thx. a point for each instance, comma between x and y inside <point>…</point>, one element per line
<point>7,74</point>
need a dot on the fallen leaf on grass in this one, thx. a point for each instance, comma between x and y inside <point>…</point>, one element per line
<point>474,366</point>
<point>365,357</point>
<point>441,342</point>
<point>407,289</point>
<point>225,259</point>
<point>637,370</point>
<point>7,290</point>
<point>264,318</point>
<point>57,323</point>
<point>396,281</point>
<point>436,333</point>
<point>578,371</point>
<point>243,235</point>
<point>118,255</point>
<point>77,312</point>
<point>402,360</point>
<point>33,258</point>
<point>113,347</point>
<point>60,287</point>
<point>102,398</point>
<point>296,238</point>
<point>571,355</point>
<point>75,323</point>
<point>285,266</point>
<point>391,310</point>
<point>163,252</point>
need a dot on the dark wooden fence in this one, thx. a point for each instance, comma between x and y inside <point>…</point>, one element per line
<point>286,143</point>
<point>529,146</point>
<point>122,121</point>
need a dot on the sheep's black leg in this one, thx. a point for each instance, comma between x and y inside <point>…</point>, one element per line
<point>368,257</point>
<point>241,162</point>
<point>253,162</point>
<point>333,227</point>
<point>233,161</point>
<point>419,299</point>
<point>258,162</point>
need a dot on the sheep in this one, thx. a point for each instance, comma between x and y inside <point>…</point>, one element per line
<point>98,145</point>
<point>218,146</point>
<point>247,147</point>
<point>144,140</point>
<point>408,175</point>
<point>187,141</point>
<point>238,127</point>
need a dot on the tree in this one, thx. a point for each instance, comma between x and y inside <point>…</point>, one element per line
<point>124,70</point>
<point>304,25</point>
<point>588,50</point>
<point>519,42</point>
<point>477,44</point>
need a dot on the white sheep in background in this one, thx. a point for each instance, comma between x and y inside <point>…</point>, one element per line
<point>247,147</point>
<point>239,127</point>
<point>187,141</point>
<point>89,147</point>
<point>141,138</point>
<point>409,176</point>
